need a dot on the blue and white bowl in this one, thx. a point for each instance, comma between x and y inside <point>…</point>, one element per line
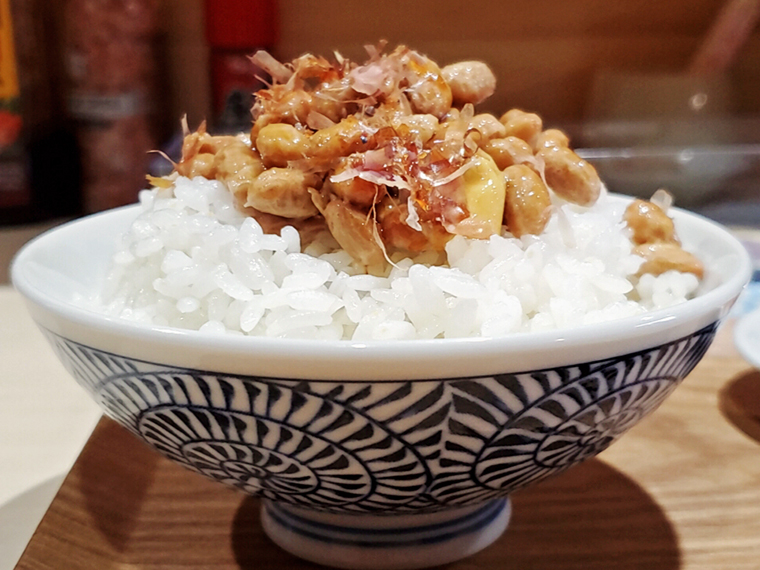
<point>386,454</point>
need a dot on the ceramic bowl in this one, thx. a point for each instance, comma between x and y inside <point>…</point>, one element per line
<point>382,454</point>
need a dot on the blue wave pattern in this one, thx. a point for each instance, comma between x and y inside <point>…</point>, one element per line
<point>382,447</point>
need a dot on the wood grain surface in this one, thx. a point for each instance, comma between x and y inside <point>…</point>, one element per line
<point>680,491</point>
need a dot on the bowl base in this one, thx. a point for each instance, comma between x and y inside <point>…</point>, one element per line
<point>397,542</point>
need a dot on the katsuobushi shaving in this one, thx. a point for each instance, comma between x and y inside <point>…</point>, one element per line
<point>391,156</point>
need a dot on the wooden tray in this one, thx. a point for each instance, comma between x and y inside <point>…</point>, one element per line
<point>681,491</point>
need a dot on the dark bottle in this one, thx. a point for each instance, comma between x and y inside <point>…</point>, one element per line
<point>38,156</point>
<point>235,30</point>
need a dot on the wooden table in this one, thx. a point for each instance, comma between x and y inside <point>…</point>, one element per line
<point>681,491</point>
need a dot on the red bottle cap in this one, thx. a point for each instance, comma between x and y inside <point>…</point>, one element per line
<point>241,24</point>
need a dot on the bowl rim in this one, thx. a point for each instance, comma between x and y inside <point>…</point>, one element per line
<point>379,359</point>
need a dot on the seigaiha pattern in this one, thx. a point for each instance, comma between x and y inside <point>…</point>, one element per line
<point>383,447</point>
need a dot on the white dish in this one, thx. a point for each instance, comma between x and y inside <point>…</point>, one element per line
<point>747,337</point>
<point>20,516</point>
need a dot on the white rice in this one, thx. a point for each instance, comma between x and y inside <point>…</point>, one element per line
<point>191,260</point>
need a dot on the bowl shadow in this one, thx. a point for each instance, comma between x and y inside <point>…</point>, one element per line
<point>591,517</point>
<point>739,402</point>
<point>113,491</point>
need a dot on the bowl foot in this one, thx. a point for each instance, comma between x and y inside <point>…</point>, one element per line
<point>369,542</point>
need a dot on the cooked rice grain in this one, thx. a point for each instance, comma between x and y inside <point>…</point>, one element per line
<point>192,260</point>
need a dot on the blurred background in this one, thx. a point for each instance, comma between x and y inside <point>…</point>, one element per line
<point>654,96</point>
